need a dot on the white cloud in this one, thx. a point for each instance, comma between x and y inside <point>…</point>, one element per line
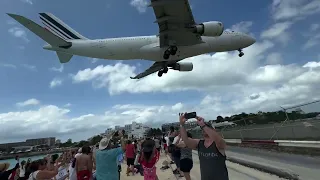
<point>274,58</point>
<point>140,5</point>
<point>30,67</point>
<point>29,102</point>
<point>55,82</point>
<point>244,83</point>
<point>278,32</point>
<point>8,65</point>
<point>294,9</point>
<point>94,60</point>
<point>243,26</point>
<point>27,1</point>
<point>60,69</point>
<point>312,41</point>
<point>314,27</point>
<point>67,105</point>
<point>218,68</point>
<point>177,107</point>
<point>18,33</point>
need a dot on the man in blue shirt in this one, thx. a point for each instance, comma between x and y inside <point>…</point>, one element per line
<point>106,159</point>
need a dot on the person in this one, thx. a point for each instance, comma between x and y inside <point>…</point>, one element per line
<point>72,165</point>
<point>119,161</point>
<point>84,164</point>
<point>15,174</point>
<point>176,154</point>
<point>157,143</point>
<point>4,172</point>
<point>22,170</point>
<point>171,135</point>
<point>148,159</point>
<point>39,172</point>
<point>186,162</point>
<point>130,155</point>
<point>211,150</point>
<point>106,158</point>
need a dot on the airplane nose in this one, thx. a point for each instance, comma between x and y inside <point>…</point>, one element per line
<point>251,40</point>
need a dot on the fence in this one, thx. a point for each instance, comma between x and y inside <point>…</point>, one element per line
<point>300,122</point>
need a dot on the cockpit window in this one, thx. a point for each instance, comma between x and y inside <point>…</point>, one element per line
<point>220,24</point>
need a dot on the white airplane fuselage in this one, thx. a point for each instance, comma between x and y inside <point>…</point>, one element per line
<point>148,47</point>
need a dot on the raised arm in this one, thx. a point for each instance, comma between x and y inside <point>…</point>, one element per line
<point>212,133</point>
<point>191,143</point>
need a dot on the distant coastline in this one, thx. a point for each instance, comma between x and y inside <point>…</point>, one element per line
<point>12,156</point>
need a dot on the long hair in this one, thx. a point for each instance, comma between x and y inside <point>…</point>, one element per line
<point>73,165</point>
<point>34,166</point>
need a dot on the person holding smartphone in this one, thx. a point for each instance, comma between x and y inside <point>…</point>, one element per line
<point>211,148</point>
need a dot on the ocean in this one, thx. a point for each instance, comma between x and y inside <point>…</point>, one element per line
<point>13,162</point>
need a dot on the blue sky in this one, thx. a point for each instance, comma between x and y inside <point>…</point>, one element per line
<point>275,71</point>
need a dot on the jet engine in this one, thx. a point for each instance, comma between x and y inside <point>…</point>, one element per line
<point>187,66</point>
<point>212,28</point>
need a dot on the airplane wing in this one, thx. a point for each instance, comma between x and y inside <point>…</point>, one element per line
<point>157,66</point>
<point>175,18</point>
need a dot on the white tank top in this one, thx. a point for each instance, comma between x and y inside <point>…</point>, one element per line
<point>22,172</point>
<point>33,176</point>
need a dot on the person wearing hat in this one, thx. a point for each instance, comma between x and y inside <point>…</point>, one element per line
<point>4,172</point>
<point>106,157</point>
<point>211,150</point>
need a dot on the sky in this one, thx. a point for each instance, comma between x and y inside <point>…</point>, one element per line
<point>42,98</point>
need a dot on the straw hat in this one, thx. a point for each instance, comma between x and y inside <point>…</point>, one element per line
<point>4,166</point>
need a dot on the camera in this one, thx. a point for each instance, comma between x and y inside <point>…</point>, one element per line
<point>190,115</point>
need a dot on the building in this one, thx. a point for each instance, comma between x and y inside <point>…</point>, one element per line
<point>118,128</point>
<point>137,130</point>
<point>128,127</point>
<point>50,141</point>
<point>166,127</point>
<point>109,131</point>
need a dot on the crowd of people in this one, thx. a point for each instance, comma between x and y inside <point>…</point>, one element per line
<point>103,161</point>
<point>45,168</point>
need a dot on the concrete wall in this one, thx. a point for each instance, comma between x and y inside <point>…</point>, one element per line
<point>295,130</point>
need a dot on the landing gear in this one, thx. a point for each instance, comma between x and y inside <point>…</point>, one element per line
<point>172,50</point>
<point>163,71</point>
<point>240,53</point>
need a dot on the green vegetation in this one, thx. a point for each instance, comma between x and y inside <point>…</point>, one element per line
<point>94,140</point>
<point>266,117</point>
<point>154,132</point>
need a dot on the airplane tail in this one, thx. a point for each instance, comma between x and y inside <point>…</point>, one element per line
<point>59,28</point>
<point>55,33</point>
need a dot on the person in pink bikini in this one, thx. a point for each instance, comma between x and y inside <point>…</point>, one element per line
<point>148,159</point>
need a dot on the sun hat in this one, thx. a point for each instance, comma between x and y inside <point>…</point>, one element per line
<point>4,166</point>
<point>104,143</point>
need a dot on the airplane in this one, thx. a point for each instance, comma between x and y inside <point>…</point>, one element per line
<point>179,37</point>
<point>223,124</point>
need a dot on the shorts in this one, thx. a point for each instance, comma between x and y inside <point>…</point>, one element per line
<point>186,165</point>
<point>130,161</point>
<point>165,146</point>
<point>177,161</point>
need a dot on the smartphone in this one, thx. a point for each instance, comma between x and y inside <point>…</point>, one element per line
<point>190,115</point>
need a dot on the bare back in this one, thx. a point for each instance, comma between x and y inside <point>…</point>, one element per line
<point>83,162</point>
